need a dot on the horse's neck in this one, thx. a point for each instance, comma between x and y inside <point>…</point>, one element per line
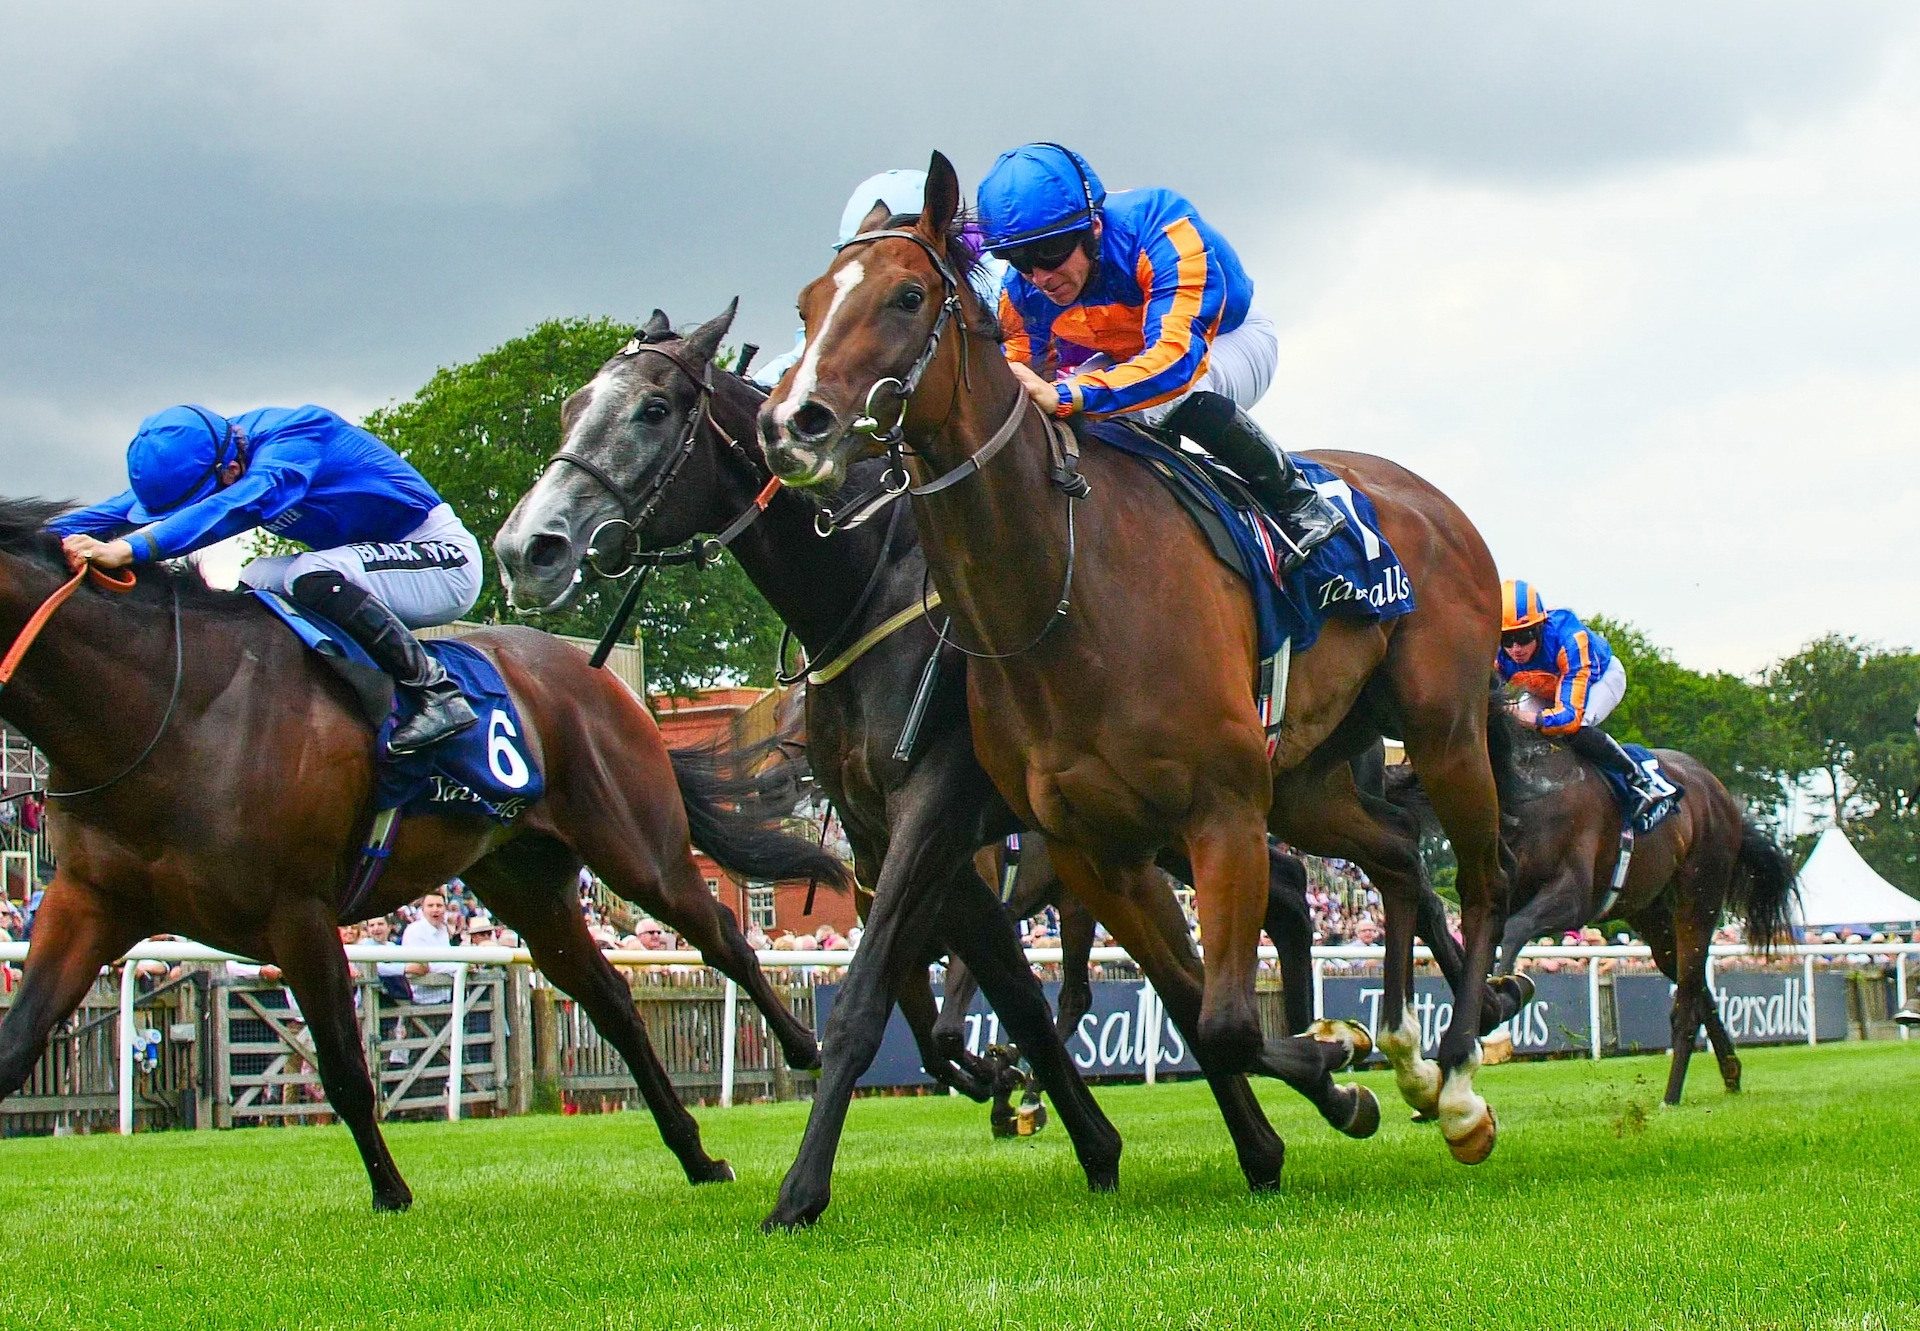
<point>992,538</point>
<point>813,584</point>
<point>87,652</point>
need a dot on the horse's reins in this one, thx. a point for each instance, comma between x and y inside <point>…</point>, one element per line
<point>1063,466</point>
<point>30,632</point>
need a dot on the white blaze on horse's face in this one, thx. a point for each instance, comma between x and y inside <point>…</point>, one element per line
<point>807,375</point>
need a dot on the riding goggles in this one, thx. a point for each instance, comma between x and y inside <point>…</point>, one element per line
<point>1049,252</point>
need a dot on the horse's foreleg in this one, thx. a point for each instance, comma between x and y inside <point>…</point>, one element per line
<point>971,917</point>
<point>1289,923</point>
<point>1076,962</point>
<point>1230,876</point>
<point>928,841</point>
<point>74,935</point>
<point>306,947</point>
<point>1154,933</point>
<point>939,1029</point>
<point>1691,998</point>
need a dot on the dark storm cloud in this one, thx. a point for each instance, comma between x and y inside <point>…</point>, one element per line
<point>241,203</point>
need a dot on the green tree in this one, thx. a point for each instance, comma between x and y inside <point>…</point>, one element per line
<point>1728,723</point>
<point>482,431</point>
<point>1850,708</point>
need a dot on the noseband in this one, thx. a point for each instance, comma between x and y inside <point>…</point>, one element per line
<point>636,511</point>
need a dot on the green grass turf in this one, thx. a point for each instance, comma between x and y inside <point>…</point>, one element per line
<point>1792,1205</point>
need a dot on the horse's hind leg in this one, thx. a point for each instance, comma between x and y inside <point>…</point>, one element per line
<point>1289,924</point>
<point>529,885</point>
<point>74,935</point>
<point>1076,959</point>
<point>665,882</point>
<point>307,949</point>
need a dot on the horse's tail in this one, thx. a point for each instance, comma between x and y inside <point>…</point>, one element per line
<point>1764,887</point>
<point>735,803</point>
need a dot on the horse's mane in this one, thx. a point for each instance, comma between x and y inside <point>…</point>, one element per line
<point>24,534</point>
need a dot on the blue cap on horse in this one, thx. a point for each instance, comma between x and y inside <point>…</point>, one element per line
<point>176,458</point>
<point>1035,191</point>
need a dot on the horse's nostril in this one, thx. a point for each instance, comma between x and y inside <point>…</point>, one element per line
<point>548,553</point>
<point>813,422</point>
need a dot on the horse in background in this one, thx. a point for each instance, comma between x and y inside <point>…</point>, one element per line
<point>240,822</point>
<point>1706,857</point>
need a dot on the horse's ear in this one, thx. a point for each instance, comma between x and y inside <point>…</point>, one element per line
<point>656,328</point>
<point>705,340</point>
<point>943,197</point>
<point>877,216</point>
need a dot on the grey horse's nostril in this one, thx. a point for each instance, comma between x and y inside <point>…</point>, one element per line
<point>812,423</point>
<point>548,553</point>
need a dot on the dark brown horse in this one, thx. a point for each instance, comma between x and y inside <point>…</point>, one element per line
<point>239,823</point>
<point>1114,655</point>
<point>1708,856</point>
<point>915,818</point>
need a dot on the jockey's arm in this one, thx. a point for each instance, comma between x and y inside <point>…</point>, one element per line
<point>260,494</point>
<point>1576,679</point>
<point>1185,291</point>
<point>106,519</point>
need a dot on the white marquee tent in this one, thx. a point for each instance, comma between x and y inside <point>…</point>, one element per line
<point>1838,887</point>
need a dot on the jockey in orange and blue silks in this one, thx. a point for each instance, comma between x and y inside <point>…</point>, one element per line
<point>1142,280</point>
<point>1570,680</point>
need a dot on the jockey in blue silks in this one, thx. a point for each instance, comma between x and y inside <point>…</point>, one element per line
<point>386,552</point>
<point>1140,278</point>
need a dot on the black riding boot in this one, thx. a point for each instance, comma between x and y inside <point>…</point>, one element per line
<point>394,649</point>
<point>1216,423</point>
<point>1604,751</point>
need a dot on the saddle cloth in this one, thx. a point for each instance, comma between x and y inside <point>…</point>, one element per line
<point>1670,791</point>
<point>486,769</point>
<point>1355,575</point>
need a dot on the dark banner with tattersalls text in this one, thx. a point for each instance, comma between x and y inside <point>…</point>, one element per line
<point>1556,1020</point>
<point>1758,1007</point>
<point>1111,1041</point>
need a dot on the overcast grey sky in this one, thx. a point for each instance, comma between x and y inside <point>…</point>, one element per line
<point>1637,283</point>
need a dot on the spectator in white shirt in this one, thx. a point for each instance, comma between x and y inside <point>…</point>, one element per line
<point>432,981</point>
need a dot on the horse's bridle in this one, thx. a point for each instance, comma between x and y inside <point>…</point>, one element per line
<point>1064,469</point>
<point>636,511</point>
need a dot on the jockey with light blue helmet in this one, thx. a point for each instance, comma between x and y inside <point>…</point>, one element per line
<point>901,192</point>
<point>1140,278</point>
<point>387,552</point>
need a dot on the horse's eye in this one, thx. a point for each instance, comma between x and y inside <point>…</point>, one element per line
<point>654,412</point>
<point>912,299</point>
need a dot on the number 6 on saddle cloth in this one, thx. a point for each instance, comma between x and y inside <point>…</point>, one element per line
<point>484,769</point>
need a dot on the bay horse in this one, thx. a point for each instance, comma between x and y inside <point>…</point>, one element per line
<point>1708,856</point>
<point>239,822</point>
<point>650,425</point>
<point>1112,656</point>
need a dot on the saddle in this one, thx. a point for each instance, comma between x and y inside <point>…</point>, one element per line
<point>1668,792</point>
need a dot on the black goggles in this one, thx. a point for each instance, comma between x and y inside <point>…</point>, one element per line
<point>1518,637</point>
<point>1049,252</point>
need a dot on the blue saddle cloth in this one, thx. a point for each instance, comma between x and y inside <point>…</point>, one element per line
<point>1670,790</point>
<point>486,769</point>
<point>1355,575</point>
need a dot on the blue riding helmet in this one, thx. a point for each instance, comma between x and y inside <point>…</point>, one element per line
<point>176,459</point>
<point>1035,191</point>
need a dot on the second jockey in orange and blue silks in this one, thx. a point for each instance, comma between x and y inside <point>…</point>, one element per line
<point>1570,678</point>
<point>1141,279</point>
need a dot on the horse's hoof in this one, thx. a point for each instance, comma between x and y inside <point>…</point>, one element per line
<point>786,1219</point>
<point>393,1203</point>
<point>1366,1115</point>
<point>714,1171</point>
<point>1106,1178</point>
<point>1496,1049</point>
<point>1519,984</point>
<point>1424,1116</point>
<point>1476,1143</point>
<point>805,1059</point>
<point>1351,1036</point>
<point>1731,1080</point>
